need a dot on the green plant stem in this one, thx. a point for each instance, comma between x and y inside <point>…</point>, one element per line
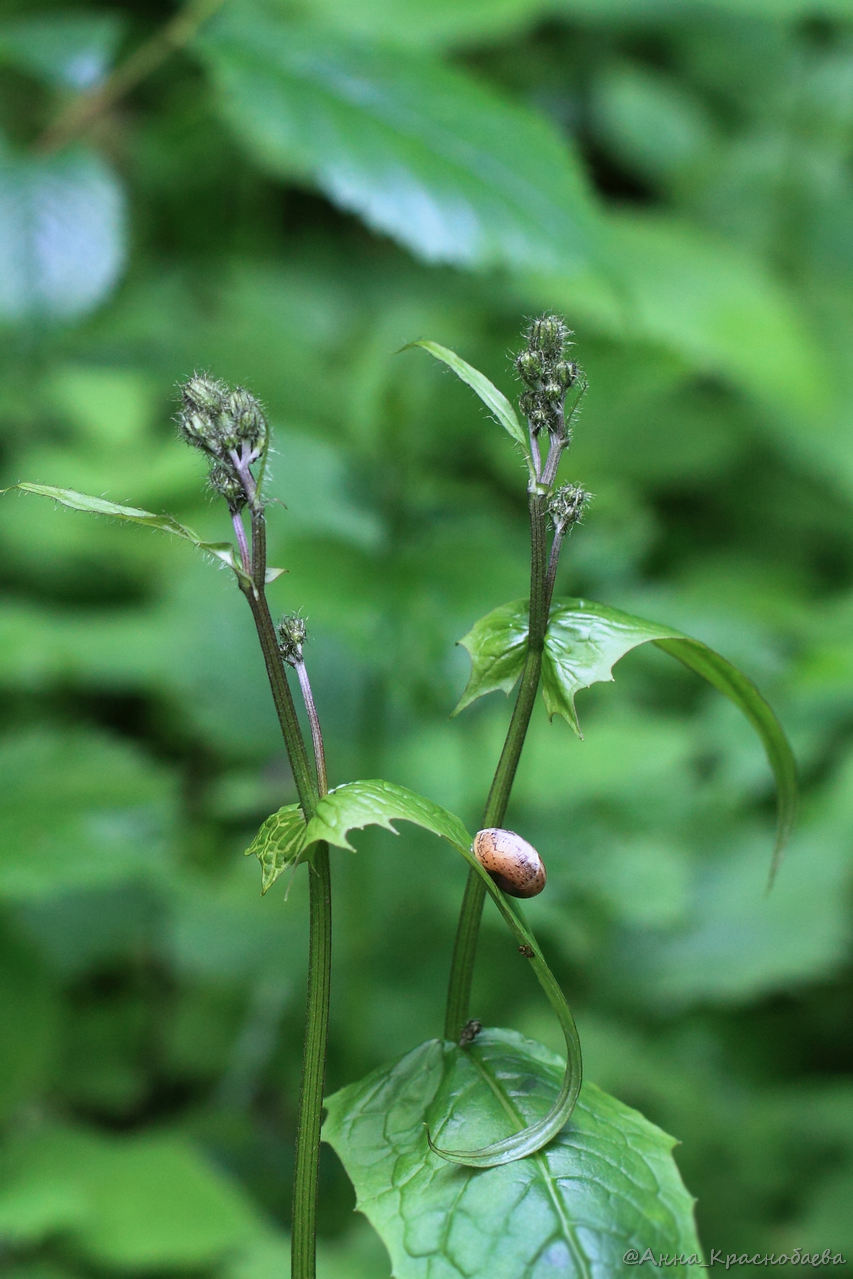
<point>306,1173</point>
<point>464,951</point>
<point>307,1159</point>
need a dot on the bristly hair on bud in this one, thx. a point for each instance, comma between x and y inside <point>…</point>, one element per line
<point>291,632</point>
<point>567,506</point>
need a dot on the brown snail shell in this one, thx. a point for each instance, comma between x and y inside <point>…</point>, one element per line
<point>513,864</point>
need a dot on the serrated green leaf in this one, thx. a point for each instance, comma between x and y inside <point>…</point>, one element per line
<point>584,641</point>
<point>421,151</point>
<point>381,803</point>
<point>605,1184</point>
<point>133,515</point>
<point>279,843</point>
<point>62,234</point>
<point>497,645</point>
<point>495,401</point>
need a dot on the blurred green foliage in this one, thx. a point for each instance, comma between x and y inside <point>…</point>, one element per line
<point>303,188</point>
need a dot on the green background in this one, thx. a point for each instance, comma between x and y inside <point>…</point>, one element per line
<point>296,193</point>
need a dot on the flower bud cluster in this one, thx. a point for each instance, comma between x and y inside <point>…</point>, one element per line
<point>291,632</point>
<point>228,425</point>
<point>547,374</point>
<point>567,506</point>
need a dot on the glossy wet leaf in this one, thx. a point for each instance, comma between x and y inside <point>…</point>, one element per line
<point>584,641</point>
<point>606,1183</point>
<point>62,234</point>
<point>419,150</point>
<point>380,803</point>
<point>495,401</point>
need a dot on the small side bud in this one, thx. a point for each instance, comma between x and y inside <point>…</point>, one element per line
<point>553,392</point>
<point>291,632</point>
<point>540,420</point>
<point>567,506</point>
<point>566,373</point>
<point>224,482</point>
<point>530,366</point>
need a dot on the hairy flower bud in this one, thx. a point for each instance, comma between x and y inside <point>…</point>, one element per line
<point>567,506</point>
<point>566,373</point>
<point>247,418</point>
<point>203,393</point>
<point>223,481</point>
<point>549,335</point>
<point>540,420</point>
<point>291,632</point>
<point>530,366</point>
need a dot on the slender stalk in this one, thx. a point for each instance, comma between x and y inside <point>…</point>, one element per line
<point>464,951</point>
<point>306,1175</point>
<point>145,59</point>
<point>240,534</point>
<point>310,1112</point>
<point>316,731</point>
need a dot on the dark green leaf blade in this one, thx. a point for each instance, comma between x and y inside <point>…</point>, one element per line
<point>605,1184</point>
<point>420,151</point>
<point>279,843</point>
<point>495,401</point>
<point>585,640</point>
<point>496,645</point>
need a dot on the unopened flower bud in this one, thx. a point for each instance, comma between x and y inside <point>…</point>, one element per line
<point>247,417</point>
<point>540,420</point>
<point>291,632</point>
<point>567,506</point>
<point>530,366</point>
<point>566,373</point>
<point>224,482</point>
<point>553,392</point>
<point>203,393</point>
<point>549,335</point>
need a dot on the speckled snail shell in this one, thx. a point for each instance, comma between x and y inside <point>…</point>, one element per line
<point>513,864</point>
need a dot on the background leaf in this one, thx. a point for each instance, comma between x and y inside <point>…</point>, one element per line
<point>423,153</point>
<point>62,234</point>
<point>606,1183</point>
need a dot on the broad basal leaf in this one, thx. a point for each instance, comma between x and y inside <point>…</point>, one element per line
<point>495,401</point>
<point>420,151</point>
<point>62,234</point>
<point>605,1185</point>
<point>380,803</point>
<point>133,515</point>
<point>584,641</point>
